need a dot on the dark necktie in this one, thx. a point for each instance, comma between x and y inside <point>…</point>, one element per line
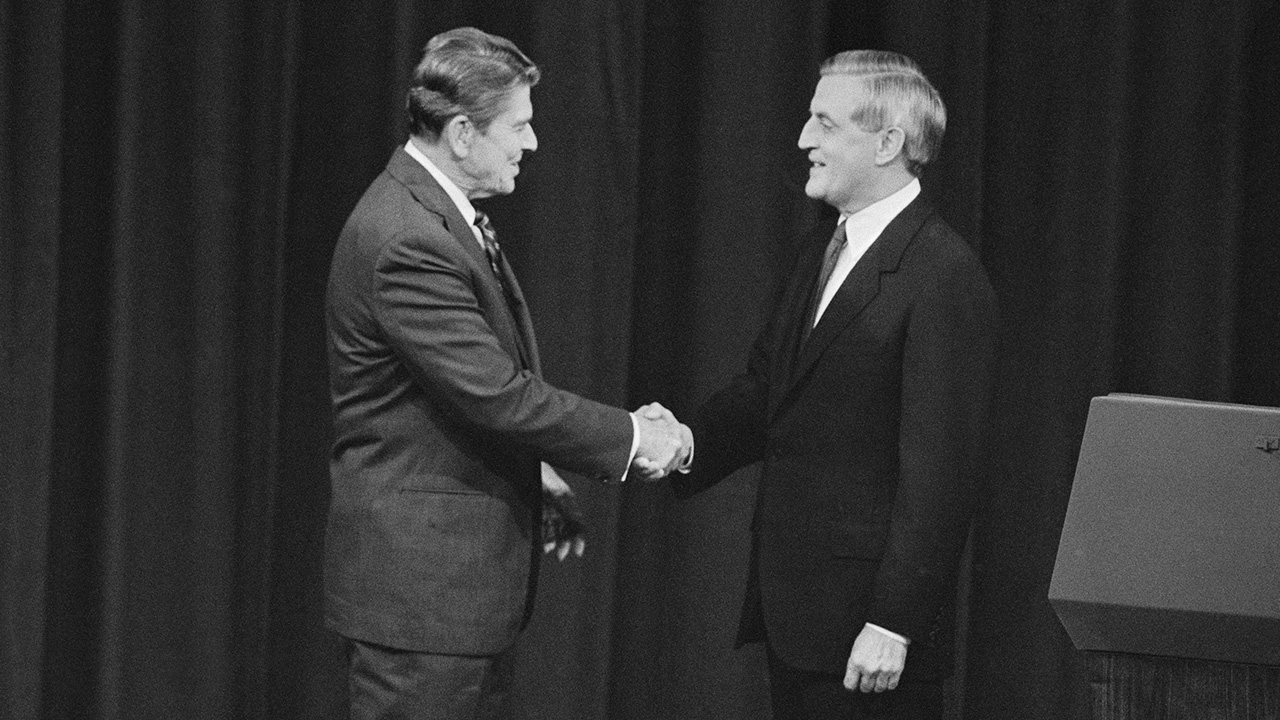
<point>491,247</point>
<point>494,251</point>
<point>834,247</point>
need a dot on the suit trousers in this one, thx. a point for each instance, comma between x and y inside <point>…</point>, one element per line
<point>806,695</point>
<point>391,684</point>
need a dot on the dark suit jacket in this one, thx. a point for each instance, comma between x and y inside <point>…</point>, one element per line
<point>870,435</point>
<point>440,419</point>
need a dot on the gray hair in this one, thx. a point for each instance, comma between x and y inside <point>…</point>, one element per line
<point>900,96</point>
<point>469,72</point>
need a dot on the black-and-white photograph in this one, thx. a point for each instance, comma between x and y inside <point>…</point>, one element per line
<point>640,360</point>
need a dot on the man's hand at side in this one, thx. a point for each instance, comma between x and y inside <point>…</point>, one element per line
<point>563,528</point>
<point>876,662</point>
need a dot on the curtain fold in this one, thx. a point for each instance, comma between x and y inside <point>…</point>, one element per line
<point>145,175</point>
<point>30,207</point>
<point>172,180</point>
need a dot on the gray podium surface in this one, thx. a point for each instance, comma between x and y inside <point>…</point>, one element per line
<point>1168,570</point>
<point>1171,543</point>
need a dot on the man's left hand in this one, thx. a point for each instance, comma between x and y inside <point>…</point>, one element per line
<point>876,662</point>
<point>563,529</point>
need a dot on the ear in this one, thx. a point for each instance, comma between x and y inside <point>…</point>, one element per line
<point>459,132</point>
<point>891,143</point>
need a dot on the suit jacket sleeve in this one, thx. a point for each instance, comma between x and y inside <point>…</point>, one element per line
<point>728,433</point>
<point>730,428</point>
<point>947,379</point>
<point>428,309</point>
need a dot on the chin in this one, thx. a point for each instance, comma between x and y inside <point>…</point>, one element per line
<point>500,188</point>
<point>814,191</point>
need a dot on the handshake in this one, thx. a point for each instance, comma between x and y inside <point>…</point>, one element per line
<point>665,444</point>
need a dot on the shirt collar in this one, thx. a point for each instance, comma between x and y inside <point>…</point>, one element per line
<point>450,188</point>
<point>875,217</point>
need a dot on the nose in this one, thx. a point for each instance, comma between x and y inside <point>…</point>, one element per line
<point>530,140</point>
<point>806,135</point>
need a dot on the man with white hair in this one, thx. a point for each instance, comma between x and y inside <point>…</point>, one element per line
<point>866,397</point>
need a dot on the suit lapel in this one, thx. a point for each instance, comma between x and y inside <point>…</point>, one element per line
<point>859,289</point>
<point>431,196</point>
<point>425,189</point>
<point>521,311</point>
<point>794,308</point>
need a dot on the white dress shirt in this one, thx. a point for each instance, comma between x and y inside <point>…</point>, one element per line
<point>861,230</point>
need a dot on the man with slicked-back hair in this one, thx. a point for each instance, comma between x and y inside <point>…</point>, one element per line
<point>865,396</point>
<point>445,433</point>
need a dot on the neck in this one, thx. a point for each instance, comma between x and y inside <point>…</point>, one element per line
<point>439,153</point>
<point>887,183</point>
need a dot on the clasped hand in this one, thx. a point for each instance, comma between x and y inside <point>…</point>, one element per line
<point>665,443</point>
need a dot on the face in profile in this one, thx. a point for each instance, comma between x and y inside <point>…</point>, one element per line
<point>494,160</point>
<point>842,155</point>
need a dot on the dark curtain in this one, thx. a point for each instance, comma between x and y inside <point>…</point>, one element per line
<point>172,180</point>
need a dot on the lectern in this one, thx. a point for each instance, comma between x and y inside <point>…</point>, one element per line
<point>1168,570</point>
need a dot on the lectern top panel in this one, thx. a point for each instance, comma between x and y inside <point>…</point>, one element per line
<point>1175,508</point>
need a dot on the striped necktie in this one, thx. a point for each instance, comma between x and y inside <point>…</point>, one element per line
<point>494,252</point>
<point>491,247</point>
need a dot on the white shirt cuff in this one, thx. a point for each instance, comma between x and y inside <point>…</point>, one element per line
<point>687,465</point>
<point>635,445</point>
<point>889,633</point>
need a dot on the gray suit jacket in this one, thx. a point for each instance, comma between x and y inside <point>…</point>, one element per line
<point>440,419</point>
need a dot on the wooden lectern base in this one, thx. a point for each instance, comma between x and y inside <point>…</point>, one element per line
<point>1147,687</point>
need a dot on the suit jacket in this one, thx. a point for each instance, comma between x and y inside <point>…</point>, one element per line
<point>870,433</point>
<point>440,420</point>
